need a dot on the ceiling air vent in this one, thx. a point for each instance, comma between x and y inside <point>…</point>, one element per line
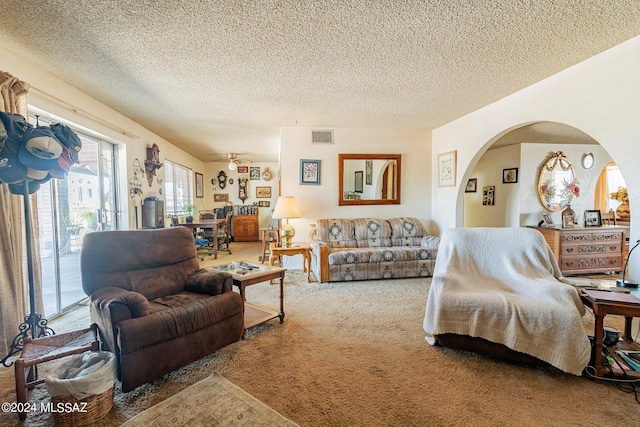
<point>322,137</point>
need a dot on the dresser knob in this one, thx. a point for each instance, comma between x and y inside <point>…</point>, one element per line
<point>569,250</point>
<point>569,264</point>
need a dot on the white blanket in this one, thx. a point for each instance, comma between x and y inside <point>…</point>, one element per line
<point>504,285</point>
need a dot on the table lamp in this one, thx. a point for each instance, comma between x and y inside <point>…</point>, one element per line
<point>286,208</point>
<point>627,283</point>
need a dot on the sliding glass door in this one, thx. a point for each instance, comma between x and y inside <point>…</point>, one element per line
<point>84,202</point>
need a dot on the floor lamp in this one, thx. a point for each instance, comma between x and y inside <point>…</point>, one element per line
<point>34,324</point>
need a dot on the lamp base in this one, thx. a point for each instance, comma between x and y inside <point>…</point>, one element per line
<point>287,233</point>
<point>627,284</point>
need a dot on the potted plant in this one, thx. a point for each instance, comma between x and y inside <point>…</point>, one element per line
<point>190,209</point>
<point>91,218</point>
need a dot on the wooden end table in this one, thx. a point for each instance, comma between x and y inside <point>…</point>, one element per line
<point>277,250</point>
<point>254,314</point>
<point>600,310</point>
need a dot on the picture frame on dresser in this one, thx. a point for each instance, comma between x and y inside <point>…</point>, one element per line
<point>593,218</point>
<point>569,221</point>
<point>548,221</point>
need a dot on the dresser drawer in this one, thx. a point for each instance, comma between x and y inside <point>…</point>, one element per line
<point>586,249</point>
<point>590,263</point>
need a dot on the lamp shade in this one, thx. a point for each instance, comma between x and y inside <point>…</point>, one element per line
<point>286,208</point>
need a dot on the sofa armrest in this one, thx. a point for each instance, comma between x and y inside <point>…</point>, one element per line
<point>110,305</point>
<point>431,242</point>
<point>320,252</point>
<point>209,282</point>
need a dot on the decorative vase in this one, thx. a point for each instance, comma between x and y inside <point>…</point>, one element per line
<point>568,212</point>
<point>623,211</point>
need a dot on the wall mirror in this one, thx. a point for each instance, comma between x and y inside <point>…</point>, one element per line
<point>369,179</point>
<point>557,176</point>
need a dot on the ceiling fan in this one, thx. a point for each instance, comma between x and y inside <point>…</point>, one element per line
<point>234,161</point>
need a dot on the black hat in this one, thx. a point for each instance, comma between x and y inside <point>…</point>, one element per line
<point>68,138</point>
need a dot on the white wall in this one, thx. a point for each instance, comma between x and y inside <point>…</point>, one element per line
<point>600,96</point>
<point>488,171</point>
<point>321,201</point>
<point>69,104</point>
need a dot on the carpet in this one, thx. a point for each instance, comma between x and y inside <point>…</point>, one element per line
<point>354,354</point>
<point>212,401</point>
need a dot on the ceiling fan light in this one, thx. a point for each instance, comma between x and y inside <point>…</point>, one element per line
<point>232,166</point>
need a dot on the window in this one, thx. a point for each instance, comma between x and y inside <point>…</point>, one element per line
<point>177,187</point>
<point>614,181</point>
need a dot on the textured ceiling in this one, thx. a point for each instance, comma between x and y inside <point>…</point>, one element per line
<point>220,76</point>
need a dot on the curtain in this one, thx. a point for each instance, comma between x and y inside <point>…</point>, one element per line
<point>14,280</point>
<point>601,193</point>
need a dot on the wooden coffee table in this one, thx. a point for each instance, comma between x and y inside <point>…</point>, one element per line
<point>254,314</point>
<point>277,250</point>
<point>600,310</point>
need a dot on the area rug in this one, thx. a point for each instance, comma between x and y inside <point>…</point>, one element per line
<point>213,401</point>
<point>354,354</point>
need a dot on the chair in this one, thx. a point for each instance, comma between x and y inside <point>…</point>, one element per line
<point>499,291</point>
<point>154,307</point>
<point>609,218</point>
<point>207,233</point>
<point>224,233</point>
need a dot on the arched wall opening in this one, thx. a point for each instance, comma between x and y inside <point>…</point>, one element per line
<point>506,172</point>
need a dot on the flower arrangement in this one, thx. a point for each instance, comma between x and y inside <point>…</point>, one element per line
<point>621,195</point>
<point>571,191</point>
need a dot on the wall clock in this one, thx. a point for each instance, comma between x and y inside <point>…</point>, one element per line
<point>266,174</point>
<point>222,179</point>
<point>242,188</point>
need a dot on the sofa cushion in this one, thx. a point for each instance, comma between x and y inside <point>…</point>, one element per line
<point>372,232</point>
<point>377,255</point>
<point>406,231</point>
<point>338,233</point>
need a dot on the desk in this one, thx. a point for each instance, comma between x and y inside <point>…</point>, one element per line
<point>304,249</point>
<point>600,310</point>
<point>209,224</point>
<point>264,232</point>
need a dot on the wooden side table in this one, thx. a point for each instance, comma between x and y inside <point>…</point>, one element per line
<point>264,233</point>
<point>44,349</point>
<point>600,310</point>
<point>302,248</point>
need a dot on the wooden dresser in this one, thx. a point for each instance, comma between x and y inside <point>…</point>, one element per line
<point>245,228</point>
<point>586,250</point>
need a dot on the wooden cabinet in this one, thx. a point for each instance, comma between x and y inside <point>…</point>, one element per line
<point>152,213</point>
<point>245,228</point>
<point>586,250</point>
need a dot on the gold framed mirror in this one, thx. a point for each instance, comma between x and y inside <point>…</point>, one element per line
<point>369,179</point>
<point>555,182</point>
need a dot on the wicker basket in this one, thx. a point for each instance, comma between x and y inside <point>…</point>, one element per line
<point>97,407</point>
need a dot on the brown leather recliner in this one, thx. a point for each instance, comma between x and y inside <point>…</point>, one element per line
<point>156,310</point>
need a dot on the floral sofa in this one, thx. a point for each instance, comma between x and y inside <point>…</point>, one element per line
<point>370,248</point>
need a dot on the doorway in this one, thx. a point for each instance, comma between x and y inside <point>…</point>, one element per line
<point>83,202</point>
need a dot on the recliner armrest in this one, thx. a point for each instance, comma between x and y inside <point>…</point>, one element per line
<point>122,304</point>
<point>110,305</point>
<point>209,282</point>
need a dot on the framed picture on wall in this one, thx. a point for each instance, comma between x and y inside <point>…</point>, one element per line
<point>472,185</point>
<point>254,173</point>
<point>243,169</point>
<point>264,203</point>
<point>263,192</point>
<point>488,195</point>
<point>447,169</point>
<point>510,176</point>
<point>309,172</point>
<point>219,197</point>
<point>358,181</point>
<point>199,185</point>
<point>368,172</point>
